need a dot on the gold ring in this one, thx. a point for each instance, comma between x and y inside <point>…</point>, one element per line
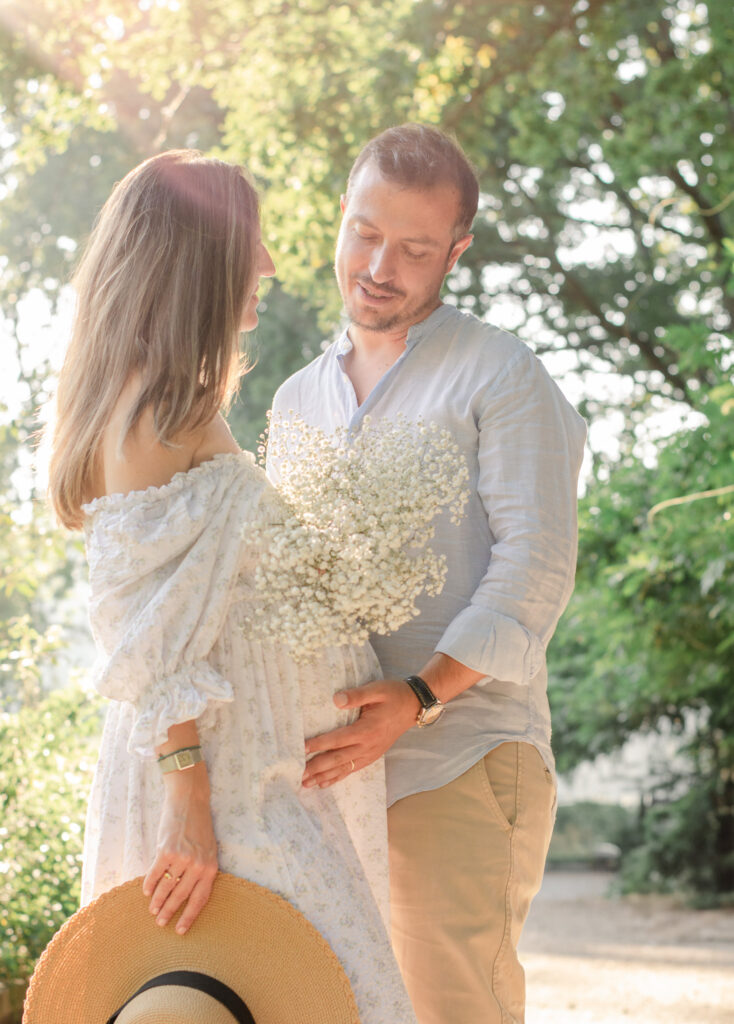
<point>167,874</point>
<point>352,768</point>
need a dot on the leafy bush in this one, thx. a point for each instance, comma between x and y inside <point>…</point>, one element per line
<point>679,848</point>
<point>39,565</point>
<point>646,643</point>
<point>47,755</point>
<point>582,827</point>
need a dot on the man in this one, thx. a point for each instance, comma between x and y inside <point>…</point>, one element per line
<point>462,714</point>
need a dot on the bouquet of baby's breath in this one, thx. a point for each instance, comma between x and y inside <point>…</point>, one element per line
<point>348,554</point>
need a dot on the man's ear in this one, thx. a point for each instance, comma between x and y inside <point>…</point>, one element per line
<point>342,203</point>
<point>457,249</point>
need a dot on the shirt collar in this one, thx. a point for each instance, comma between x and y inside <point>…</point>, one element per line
<point>416,333</point>
<point>434,320</point>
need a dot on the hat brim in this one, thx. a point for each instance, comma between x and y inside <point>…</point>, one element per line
<point>246,936</point>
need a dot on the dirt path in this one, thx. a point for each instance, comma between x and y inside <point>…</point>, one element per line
<point>590,959</point>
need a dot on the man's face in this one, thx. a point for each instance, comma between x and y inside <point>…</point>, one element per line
<point>395,247</point>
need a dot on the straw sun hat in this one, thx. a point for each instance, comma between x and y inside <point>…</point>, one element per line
<point>249,957</point>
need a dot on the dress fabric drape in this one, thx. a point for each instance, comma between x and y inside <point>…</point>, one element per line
<point>171,578</point>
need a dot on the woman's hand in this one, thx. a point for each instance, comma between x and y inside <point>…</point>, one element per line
<point>186,862</point>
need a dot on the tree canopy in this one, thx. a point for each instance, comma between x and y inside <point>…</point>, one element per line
<point>600,131</point>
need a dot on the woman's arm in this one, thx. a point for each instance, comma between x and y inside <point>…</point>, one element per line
<point>185,865</point>
<point>186,859</point>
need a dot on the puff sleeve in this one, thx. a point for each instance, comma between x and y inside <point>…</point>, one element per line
<point>163,567</point>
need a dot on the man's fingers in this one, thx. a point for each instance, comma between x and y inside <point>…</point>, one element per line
<point>323,782</point>
<point>328,777</point>
<point>333,766</point>
<point>344,736</point>
<point>329,762</point>
<point>357,697</point>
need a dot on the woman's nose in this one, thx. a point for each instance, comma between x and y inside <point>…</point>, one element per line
<point>265,266</point>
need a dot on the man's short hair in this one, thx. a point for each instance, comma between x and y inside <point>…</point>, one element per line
<point>420,156</point>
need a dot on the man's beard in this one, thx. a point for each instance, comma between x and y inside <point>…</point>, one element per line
<point>405,317</point>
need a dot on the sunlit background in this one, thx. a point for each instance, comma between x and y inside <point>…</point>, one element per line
<point>602,134</point>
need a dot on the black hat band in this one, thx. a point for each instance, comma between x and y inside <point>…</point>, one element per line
<point>204,983</point>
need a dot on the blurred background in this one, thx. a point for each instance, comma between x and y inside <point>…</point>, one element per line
<point>602,131</point>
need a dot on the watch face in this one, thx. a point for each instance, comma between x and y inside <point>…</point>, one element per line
<point>429,715</point>
<point>184,759</point>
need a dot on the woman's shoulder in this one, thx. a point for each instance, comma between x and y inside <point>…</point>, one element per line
<point>129,535</point>
<point>215,438</point>
<point>140,460</point>
<point>198,486</point>
<point>140,471</point>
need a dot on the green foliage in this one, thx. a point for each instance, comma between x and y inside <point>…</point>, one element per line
<point>47,754</point>
<point>287,337</point>
<point>649,633</point>
<point>37,568</point>
<point>599,131</point>
<point>46,749</point>
<point>42,225</point>
<point>580,829</point>
<point>679,847</point>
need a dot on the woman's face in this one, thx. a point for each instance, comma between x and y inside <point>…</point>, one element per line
<point>264,267</point>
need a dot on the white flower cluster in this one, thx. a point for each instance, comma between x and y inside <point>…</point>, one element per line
<point>349,554</point>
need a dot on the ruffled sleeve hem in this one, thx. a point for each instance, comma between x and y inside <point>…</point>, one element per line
<point>190,693</point>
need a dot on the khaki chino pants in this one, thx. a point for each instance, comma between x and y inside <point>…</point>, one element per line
<point>465,863</point>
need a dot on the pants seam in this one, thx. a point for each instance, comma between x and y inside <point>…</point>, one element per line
<point>505,941</point>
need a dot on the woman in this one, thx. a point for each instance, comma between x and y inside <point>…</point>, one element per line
<point>143,461</point>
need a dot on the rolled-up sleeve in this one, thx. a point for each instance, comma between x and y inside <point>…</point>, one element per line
<point>530,448</point>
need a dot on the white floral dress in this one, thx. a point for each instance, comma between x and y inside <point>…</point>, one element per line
<point>171,579</point>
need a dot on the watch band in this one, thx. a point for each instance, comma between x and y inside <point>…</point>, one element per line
<point>423,691</point>
<point>180,760</point>
<point>431,707</point>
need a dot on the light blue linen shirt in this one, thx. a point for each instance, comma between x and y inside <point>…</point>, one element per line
<point>511,560</point>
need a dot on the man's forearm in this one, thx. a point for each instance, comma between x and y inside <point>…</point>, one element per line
<point>448,677</point>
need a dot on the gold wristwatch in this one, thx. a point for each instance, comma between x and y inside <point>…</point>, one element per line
<point>180,760</point>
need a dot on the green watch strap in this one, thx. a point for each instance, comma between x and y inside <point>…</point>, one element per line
<point>180,760</point>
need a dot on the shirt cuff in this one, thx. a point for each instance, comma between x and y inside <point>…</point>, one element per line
<point>494,645</point>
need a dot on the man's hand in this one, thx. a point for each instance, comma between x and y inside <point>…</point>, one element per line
<point>388,708</point>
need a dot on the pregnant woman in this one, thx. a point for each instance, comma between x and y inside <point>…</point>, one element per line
<point>202,754</point>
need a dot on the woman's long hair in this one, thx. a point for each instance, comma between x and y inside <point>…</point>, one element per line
<point>161,292</point>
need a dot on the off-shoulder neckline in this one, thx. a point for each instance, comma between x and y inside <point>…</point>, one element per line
<point>176,483</point>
